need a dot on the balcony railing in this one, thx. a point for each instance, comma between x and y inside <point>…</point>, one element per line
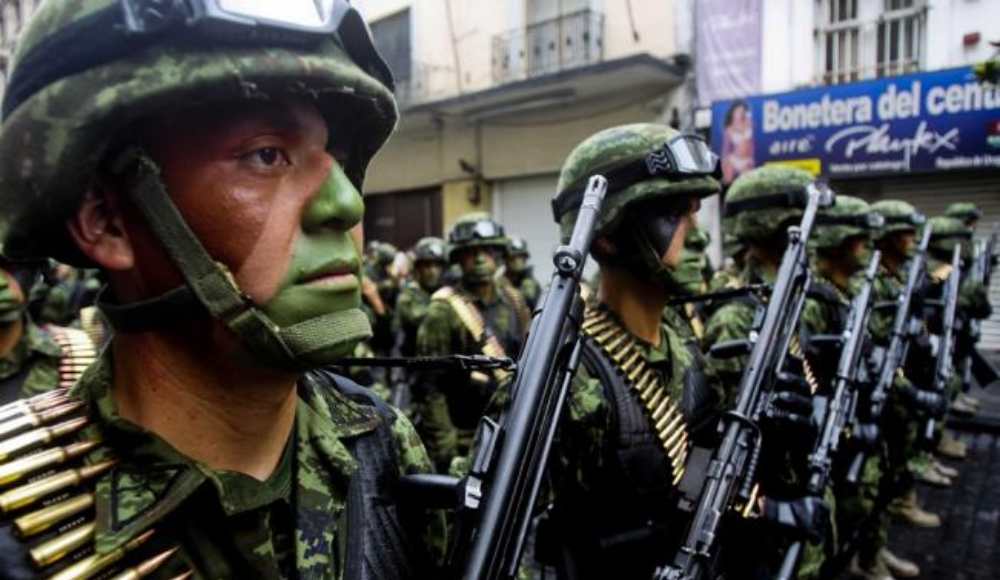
<point>549,46</point>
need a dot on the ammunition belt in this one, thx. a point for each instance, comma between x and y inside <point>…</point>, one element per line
<point>49,470</point>
<point>664,414</point>
<point>472,320</point>
<point>78,353</point>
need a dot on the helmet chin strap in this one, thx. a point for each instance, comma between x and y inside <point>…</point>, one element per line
<point>301,346</point>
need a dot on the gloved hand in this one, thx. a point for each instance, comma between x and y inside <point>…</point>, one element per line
<point>790,404</point>
<point>805,517</point>
<point>930,402</point>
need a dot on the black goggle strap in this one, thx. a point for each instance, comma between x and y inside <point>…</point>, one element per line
<point>661,162</point>
<point>915,220</point>
<point>868,221</point>
<point>959,235</point>
<point>791,199</point>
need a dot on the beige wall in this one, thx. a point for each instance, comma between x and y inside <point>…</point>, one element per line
<point>429,156</point>
<point>455,201</point>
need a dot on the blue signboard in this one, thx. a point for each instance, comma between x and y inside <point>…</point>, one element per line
<point>934,121</point>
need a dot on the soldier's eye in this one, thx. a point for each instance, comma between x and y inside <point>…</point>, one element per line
<point>267,157</point>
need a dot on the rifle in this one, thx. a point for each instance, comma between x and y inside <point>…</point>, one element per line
<point>943,367</point>
<point>510,456</point>
<point>840,404</point>
<point>733,465</point>
<point>906,325</point>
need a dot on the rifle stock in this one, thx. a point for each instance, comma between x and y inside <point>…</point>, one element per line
<point>510,456</point>
<point>730,474</point>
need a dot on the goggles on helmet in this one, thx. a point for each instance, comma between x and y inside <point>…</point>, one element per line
<point>682,157</point>
<point>128,26</point>
<point>868,221</point>
<point>479,230</point>
<point>797,198</point>
<point>913,219</point>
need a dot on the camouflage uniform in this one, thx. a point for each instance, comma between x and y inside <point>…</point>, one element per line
<point>449,404</point>
<point>379,258</point>
<point>415,296</point>
<point>92,486</point>
<point>620,456</point>
<point>522,277</point>
<point>782,471</point>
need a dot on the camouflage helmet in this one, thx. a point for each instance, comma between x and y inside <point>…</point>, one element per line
<point>963,211</point>
<point>476,229</point>
<point>381,253</point>
<point>899,216</point>
<point>763,202</point>
<point>848,217</point>
<point>618,147</point>
<point>946,233</point>
<point>518,247</point>
<point>59,122</point>
<point>430,249</point>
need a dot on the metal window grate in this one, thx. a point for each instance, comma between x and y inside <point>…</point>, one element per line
<point>549,46</point>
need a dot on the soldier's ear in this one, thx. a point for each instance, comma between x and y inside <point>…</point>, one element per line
<point>98,230</point>
<point>602,246</point>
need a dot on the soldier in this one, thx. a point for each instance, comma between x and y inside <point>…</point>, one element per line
<point>379,273</point>
<point>477,316</point>
<point>964,212</point>
<point>973,303</point>
<point>430,258</point>
<point>210,166</point>
<point>620,457</point>
<point>519,273</point>
<point>900,420</point>
<point>843,242</point>
<point>760,206</point>
<point>34,359</point>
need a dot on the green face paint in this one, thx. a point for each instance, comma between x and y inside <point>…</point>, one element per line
<point>11,304</point>
<point>428,275</point>
<point>480,268</point>
<point>687,276</point>
<point>324,273</point>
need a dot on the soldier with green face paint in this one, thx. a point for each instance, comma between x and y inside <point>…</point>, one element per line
<point>519,272</point>
<point>430,258</point>
<point>207,157</point>
<point>690,278</point>
<point>620,456</point>
<point>479,315</point>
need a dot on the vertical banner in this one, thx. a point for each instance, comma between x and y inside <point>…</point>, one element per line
<point>728,58</point>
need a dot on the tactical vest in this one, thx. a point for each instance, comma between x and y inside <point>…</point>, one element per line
<point>47,498</point>
<point>622,525</point>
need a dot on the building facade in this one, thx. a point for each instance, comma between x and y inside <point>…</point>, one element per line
<point>494,95</point>
<point>878,97</point>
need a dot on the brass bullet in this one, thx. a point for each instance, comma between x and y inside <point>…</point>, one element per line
<point>16,470</point>
<point>38,521</point>
<point>92,565</point>
<point>145,568</point>
<point>62,545</point>
<point>661,409</point>
<point>184,576</point>
<point>37,418</point>
<point>24,441</point>
<point>36,403</point>
<point>28,494</point>
<point>670,427</point>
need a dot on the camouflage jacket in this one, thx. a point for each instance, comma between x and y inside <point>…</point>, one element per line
<point>134,499</point>
<point>973,296</point>
<point>46,357</point>
<point>449,404</point>
<point>410,311</point>
<point>530,289</point>
<point>604,466</point>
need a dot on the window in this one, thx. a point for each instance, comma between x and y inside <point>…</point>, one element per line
<point>900,36</point>
<point>859,39</point>
<point>392,38</point>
